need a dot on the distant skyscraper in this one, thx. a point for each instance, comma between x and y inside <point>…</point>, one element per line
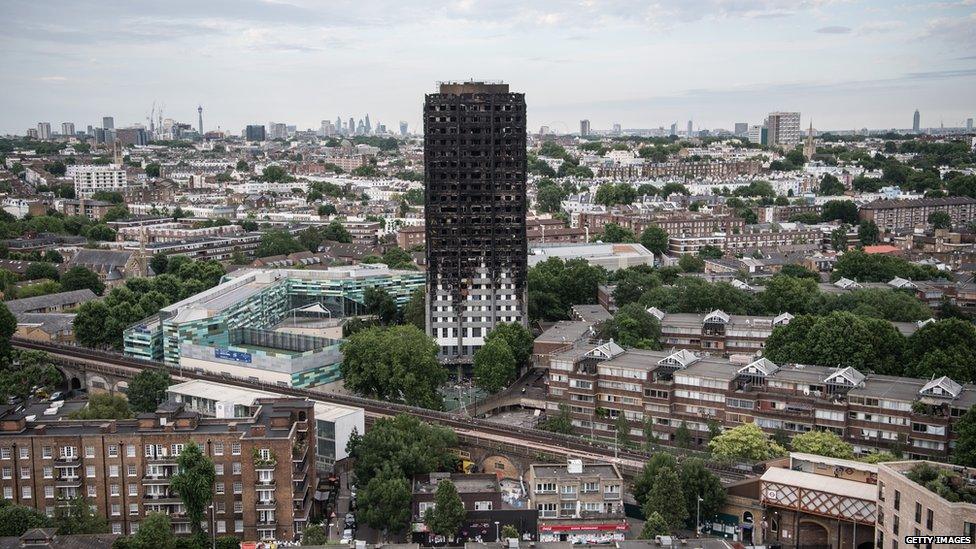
<point>475,214</point>
<point>108,123</point>
<point>32,133</point>
<point>783,128</point>
<point>916,122</point>
<point>352,126</point>
<point>254,132</point>
<point>403,128</point>
<point>674,129</point>
<point>277,130</point>
<point>616,129</point>
<point>741,128</point>
<point>544,130</point>
<point>91,131</point>
<point>757,134</point>
<point>44,130</point>
<point>366,126</point>
<point>67,129</point>
<point>200,119</point>
<point>584,128</point>
<point>691,129</point>
<point>969,124</point>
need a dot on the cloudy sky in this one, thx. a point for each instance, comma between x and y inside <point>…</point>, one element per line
<point>845,64</point>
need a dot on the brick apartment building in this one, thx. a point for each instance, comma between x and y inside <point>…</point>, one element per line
<point>907,508</point>
<point>691,170</point>
<point>577,502</point>
<point>264,464</point>
<point>670,388</point>
<point>908,214</point>
<point>674,223</point>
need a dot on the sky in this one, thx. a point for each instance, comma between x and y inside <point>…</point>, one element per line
<point>642,64</point>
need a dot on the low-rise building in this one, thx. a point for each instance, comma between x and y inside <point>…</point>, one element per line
<point>891,215</point>
<point>577,502</point>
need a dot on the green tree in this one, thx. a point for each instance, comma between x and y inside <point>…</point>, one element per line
<point>17,519</point>
<point>799,271</point>
<point>691,264</point>
<point>155,532</point>
<point>379,303</point>
<point>336,232</point>
<point>509,532</point>
<point>447,515</point>
<point>415,311</point>
<point>397,364</point>
<point>838,238</point>
<point>710,252</point>
<point>785,294</point>
<point>8,326</point>
<point>965,451</point>
<point>315,534</point>
<point>147,390</point>
<point>831,186</point>
<point>275,174</point>
<point>21,371</point>
<point>104,406</point>
<point>549,199</point>
<point>868,232</point>
<point>243,166</point>
<point>152,169</point>
<point>822,443</point>
<point>654,526</point>
<point>158,263</point>
<point>655,239</point>
<point>632,326</point>
<point>194,483</point>
<point>560,422</point>
<point>231,542</point>
<point>115,213</point>
<point>78,518</point>
<point>518,338</point>
<point>405,443</point>
<point>36,271</point>
<point>698,482</point>
<point>943,348</point>
<point>940,220</point>
<point>384,502</point>
<point>78,278</point>
<point>746,441</point>
<point>277,242</point>
<point>615,233</point>
<point>494,365</point>
<point>644,480</point>
<point>844,211</point>
<point>682,436</point>
<point>667,499</point>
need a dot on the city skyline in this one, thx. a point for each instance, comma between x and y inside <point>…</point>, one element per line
<point>845,65</point>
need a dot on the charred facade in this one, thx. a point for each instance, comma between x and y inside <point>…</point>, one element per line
<point>475,172</point>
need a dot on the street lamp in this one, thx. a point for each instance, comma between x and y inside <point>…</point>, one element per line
<point>496,531</point>
<point>213,526</point>
<point>698,501</point>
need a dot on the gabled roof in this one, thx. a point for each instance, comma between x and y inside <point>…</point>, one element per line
<point>782,319</point>
<point>846,283</point>
<point>680,359</point>
<point>607,350</point>
<point>899,282</point>
<point>718,315</point>
<point>762,366</point>
<point>845,376</point>
<point>656,313</point>
<point>942,387</point>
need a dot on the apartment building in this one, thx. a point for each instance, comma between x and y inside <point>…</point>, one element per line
<point>666,389</point>
<point>577,502</point>
<point>765,237</point>
<point>90,178</point>
<point>92,209</point>
<point>674,223</point>
<point>783,128</point>
<point>264,474</point>
<point>690,170</point>
<point>908,508</point>
<point>891,215</point>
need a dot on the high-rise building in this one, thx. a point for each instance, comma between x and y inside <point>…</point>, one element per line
<point>783,128</point>
<point>758,134</point>
<point>544,130</point>
<point>969,124</point>
<point>90,132</point>
<point>200,119</point>
<point>254,132</point>
<point>475,207</point>
<point>916,121</point>
<point>108,123</point>
<point>403,128</point>
<point>741,128</point>
<point>32,133</point>
<point>366,126</point>
<point>691,129</point>
<point>674,129</point>
<point>90,179</point>
<point>44,130</point>
<point>616,129</point>
<point>351,129</point>
<point>67,129</point>
<point>584,128</point>
<point>277,130</point>
<point>132,136</point>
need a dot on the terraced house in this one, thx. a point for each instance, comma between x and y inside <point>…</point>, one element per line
<point>265,473</point>
<point>658,391</point>
<point>266,324</point>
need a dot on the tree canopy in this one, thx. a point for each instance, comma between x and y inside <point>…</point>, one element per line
<point>746,441</point>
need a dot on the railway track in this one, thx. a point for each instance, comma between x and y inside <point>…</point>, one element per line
<point>527,441</point>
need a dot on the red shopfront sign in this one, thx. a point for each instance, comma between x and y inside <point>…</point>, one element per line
<point>583,527</point>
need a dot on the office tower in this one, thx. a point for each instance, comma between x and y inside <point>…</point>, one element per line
<point>674,129</point>
<point>741,128</point>
<point>200,119</point>
<point>108,123</point>
<point>691,129</point>
<point>338,125</point>
<point>367,127</point>
<point>783,128</point>
<point>277,130</point>
<point>254,132</point>
<point>969,124</point>
<point>32,133</point>
<point>90,132</point>
<point>475,206</point>
<point>380,128</point>
<point>403,128</point>
<point>99,135</point>
<point>916,121</point>
<point>544,130</point>
<point>757,134</point>
<point>132,136</point>
<point>584,128</point>
<point>67,129</point>
<point>351,129</point>
<point>44,130</point>
<point>616,129</point>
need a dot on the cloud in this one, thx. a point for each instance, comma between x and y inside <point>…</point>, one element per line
<point>836,29</point>
<point>53,79</point>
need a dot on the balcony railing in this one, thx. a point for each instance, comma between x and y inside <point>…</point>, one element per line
<point>266,504</point>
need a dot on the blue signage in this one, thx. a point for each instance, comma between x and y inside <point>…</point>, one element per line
<point>236,356</point>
